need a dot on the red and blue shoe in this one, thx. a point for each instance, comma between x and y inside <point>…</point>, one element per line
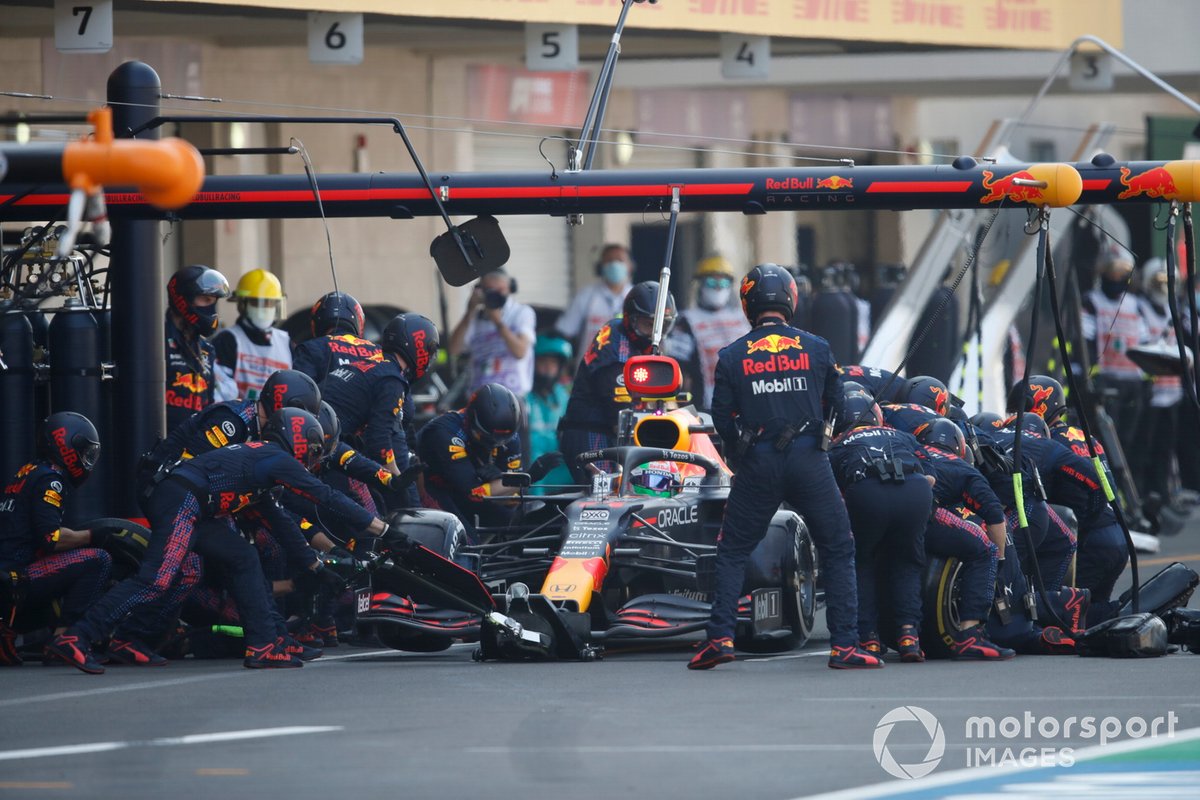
<point>713,652</point>
<point>851,657</point>
<point>302,651</point>
<point>1053,642</point>
<point>75,651</point>
<point>133,653</point>
<point>908,645</point>
<point>972,644</point>
<point>872,644</point>
<point>9,657</point>
<point>270,656</point>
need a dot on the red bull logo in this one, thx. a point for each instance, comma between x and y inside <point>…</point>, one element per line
<point>773,343</point>
<point>69,457</point>
<point>422,352</point>
<point>776,363</point>
<point>835,182</point>
<point>1041,394</point>
<point>193,383</point>
<point>1157,183</point>
<point>299,439</point>
<point>999,189</point>
<point>941,398</point>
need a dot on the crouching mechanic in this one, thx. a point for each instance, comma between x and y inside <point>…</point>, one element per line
<point>213,486</point>
<point>1102,555</point>
<point>599,393</point>
<point>979,550</point>
<point>226,423</point>
<point>47,561</point>
<point>371,398</point>
<point>888,497</point>
<point>773,389</point>
<point>465,453</point>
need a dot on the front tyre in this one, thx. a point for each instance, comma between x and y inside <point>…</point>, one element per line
<point>798,572</point>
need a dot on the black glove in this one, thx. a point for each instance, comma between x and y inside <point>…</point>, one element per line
<point>396,540</point>
<point>408,477</point>
<point>340,562</point>
<point>543,464</point>
<point>489,472</point>
<point>326,576</point>
<point>100,537</point>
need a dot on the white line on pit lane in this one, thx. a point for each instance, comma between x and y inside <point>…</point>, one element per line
<point>169,741</point>
<point>142,685</point>
<point>788,656</point>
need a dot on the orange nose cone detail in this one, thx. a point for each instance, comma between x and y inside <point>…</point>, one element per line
<point>575,579</point>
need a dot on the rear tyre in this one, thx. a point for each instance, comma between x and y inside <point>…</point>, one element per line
<point>939,590</point>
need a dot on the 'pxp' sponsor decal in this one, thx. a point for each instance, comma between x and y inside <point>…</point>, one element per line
<point>593,514</point>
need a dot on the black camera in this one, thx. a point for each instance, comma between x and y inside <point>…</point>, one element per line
<point>493,299</point>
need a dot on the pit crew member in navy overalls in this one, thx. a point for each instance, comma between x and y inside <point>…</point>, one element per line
<point>336,323</point>
<point>590,422</point>
<point>883,385</point>
<point>466,451</point>
<point>959,486</point>
<point>889,501</point>
<point>192,295</point>
<point>44,560</point>
<point>212,486</point>
<point>774,387</point>
<point>372,398</point>
<point>230,422</point>
<point>1102,553</point>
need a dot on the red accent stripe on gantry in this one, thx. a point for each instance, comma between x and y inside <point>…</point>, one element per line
<point>918,187</point>
<point>631,190</point>
<point>1096,184</point>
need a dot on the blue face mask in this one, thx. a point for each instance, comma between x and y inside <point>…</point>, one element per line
<point>615,272</point>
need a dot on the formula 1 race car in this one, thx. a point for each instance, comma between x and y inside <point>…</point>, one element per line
<point>630,558</point>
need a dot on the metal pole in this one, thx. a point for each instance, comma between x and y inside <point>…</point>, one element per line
<point>137,302</point>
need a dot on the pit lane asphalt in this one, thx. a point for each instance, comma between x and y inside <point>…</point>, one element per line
<point>636,724</point>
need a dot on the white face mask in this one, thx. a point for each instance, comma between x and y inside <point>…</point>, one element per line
<point>261,318</point>
<point>713,298</point>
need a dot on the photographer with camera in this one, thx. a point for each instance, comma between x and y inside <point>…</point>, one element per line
<point>498,334</point>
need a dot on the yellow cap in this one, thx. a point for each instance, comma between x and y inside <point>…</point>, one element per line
<point>714,265</point>
<point>260,284</point>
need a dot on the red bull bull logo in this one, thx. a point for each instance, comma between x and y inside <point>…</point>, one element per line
<point>193,383</point>
<point>1008,187</point>
<point>835,182</point>
<point>941,398</point>
<point>1041,394</point>
<point>1157,183</point>
<point>773,343</point>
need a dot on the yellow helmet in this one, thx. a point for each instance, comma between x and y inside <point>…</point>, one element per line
<point>260,284</point>
<point>714,265</point>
